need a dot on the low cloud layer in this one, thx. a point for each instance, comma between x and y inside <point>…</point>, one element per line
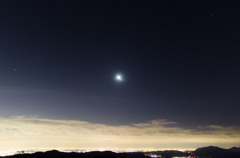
<point>25,133</point>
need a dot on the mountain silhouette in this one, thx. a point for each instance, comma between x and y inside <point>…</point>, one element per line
<point>235,149</point>
<point>95,154</point>
<point>204,152</point>
<point>216,152</point>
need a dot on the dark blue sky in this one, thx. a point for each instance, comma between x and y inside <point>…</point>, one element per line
<point>180,60</point>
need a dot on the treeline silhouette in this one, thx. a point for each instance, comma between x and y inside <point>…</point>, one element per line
<point>205,152</point>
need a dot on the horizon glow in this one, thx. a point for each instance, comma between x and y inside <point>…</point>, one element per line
<point>30,133</point>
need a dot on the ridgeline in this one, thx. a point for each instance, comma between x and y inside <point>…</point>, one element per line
<point>204,152</point>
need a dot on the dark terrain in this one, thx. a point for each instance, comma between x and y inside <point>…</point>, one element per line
<point>95,154</point>
<point>205,152</point>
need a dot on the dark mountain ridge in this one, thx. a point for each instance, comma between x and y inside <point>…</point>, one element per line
<point>216,152</point>
<point>204,152</point>
<point>94,154</point>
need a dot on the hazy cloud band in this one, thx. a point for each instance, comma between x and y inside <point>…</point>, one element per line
<point>24,133</point>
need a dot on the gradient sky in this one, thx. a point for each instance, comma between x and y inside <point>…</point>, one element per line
<point>180,61</point>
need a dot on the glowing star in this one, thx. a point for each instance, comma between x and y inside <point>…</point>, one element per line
<point>119,78</point>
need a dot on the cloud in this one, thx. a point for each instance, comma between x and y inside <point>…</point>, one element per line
<point>24,133</point>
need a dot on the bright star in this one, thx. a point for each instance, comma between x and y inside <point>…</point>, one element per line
<point>119,78</point>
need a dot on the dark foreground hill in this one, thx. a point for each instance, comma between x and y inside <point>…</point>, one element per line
<point>57,154</point>
<point>216,152</point>
<point>205,152</point>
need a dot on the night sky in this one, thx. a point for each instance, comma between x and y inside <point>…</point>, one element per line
<point>180,61</point>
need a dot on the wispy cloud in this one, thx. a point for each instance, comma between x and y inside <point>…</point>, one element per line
<point>23,133</point>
